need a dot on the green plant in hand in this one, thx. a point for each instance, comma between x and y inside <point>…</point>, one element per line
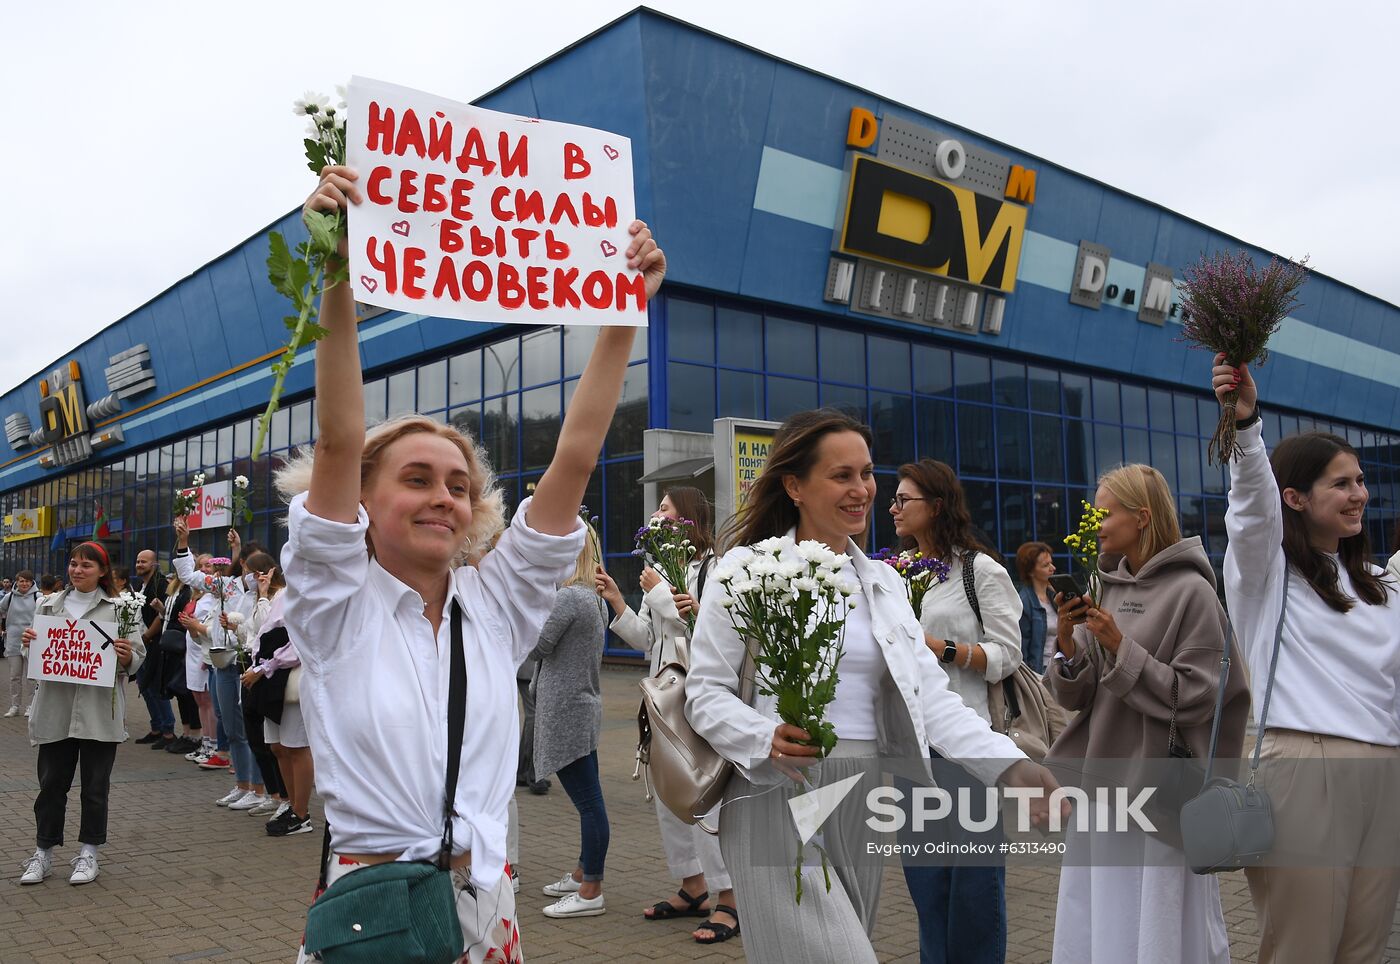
<point>304,272</point>
<point>1083,544</point>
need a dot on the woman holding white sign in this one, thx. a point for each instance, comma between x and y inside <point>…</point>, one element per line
<point>77,726</point>
<point>387,619</point>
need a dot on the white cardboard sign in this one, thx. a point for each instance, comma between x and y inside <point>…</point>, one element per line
<point>73,651</point>
<point>474,214</point>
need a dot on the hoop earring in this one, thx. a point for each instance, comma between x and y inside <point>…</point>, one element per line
<point>469,544</point>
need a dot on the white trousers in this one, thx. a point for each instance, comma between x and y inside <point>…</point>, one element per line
<point>690,850</point>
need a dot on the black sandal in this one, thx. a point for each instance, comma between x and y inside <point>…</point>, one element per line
<point>665,910</point>
<point>721,932</point>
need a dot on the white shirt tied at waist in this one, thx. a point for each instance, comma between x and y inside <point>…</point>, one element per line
<point>375,684</point>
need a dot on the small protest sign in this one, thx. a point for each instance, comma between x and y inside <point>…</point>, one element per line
<point>474,214</point>
<point>73,651</point>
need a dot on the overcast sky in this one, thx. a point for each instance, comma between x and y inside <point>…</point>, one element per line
<point>139,146</point>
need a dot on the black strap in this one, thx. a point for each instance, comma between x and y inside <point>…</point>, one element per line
<point>969,576</point>
<point>700,576</point>
<point>456,730</point>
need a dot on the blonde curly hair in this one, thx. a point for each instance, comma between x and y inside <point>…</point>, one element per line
<point>488,503</point>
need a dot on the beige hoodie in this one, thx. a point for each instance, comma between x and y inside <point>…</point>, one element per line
<point>1173,626</point>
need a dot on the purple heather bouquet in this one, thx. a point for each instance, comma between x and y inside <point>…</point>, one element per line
<point>917,572</point>
<point>665,545</point>
<point>1232,308</point>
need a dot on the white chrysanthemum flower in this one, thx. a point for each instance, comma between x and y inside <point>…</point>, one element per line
<point>810,550</point>
<point>727,602</point>
<point>235,619</point>
<point>847,588</point>
<point>805,584</point>
<point>199,478</point>
<point>772,545</point>
<point>791,568</point>
<point>343,94</point>
<point>725,573</point>
<point>241,481</point>
<point>310,103</point>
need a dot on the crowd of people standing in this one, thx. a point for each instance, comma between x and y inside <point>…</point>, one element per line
<point>400,556</point>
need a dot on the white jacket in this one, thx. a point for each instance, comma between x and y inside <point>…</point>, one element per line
<point>917,709</point>
<point>657,619</point>
<point>1337,674</point>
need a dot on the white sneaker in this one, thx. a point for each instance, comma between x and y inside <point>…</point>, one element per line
<point>248,801</point>
<point>36,868</point>
<point>562,887</point>
<point>266,808</point>
<point>575,906</point>
<point>84,869</point>
<point>234,794</point>
<point>281,810</point>
<point>12,711</point>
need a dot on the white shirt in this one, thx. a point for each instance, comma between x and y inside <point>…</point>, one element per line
<point>77,603</point>
<point>375,684</point>
<point>1338,673</point>
<point>852,711</point>
<point>948,615</point>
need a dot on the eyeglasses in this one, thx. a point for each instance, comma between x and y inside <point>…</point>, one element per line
<point>900,501</point>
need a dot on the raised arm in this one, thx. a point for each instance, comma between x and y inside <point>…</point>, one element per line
<point>1254,517</point>
<point>554,509</point>
<point>340,406</point>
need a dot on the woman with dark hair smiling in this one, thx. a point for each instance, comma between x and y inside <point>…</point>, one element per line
<point>1305,597</point>
<point>78,727</point>
<point>892,701</point>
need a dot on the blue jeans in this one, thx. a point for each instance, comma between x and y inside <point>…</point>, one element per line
<point>162,716</point>
<point>961,906</point>
<point>580,782</point>
<point>227,692</point>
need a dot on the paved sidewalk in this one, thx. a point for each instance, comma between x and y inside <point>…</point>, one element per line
<point>183,880</point>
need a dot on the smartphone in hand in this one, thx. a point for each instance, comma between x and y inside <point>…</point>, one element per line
<point>1066,585</point>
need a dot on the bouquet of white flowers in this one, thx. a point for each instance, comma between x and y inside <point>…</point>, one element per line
<point>789,601</point>
<point>128,606</point>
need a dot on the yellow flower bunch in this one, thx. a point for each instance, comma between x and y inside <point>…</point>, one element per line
<point>1083,544</point>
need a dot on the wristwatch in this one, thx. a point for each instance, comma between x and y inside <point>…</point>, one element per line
<point>950,652</point>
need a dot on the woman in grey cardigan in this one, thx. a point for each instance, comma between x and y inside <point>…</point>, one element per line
<point>17,609</point>
<point>568,720</point>
<point>77,726</point>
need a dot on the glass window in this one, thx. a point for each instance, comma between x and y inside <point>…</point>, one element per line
<point>625,510</point>
<point>1215,525</point>
<point>1013,444</point>
<point>278,431</point>
<point>432,387</point>
<point>540,357</point>
<point>1106,404</point>
<point>1051,511</point>
<point>1209,411</point>
<point>401,393</point>
<point>500,365</point>
<point>224,445</point>
<point>464,377</point>
<point>691,397</point>
<point>242,439</point>
<point>788,395</point>
<point>1184,407</point>
<point>791,347</point>
<point>740,337</point>
<point>1159,408</point>
<point>578,345</point>
<point>167,459</point>
<point>1134,405</point>
<point>625,433</point>
<point>975,437</point>
<point>973,377</point>
<point>467,420</point>
<point>1108,445</point>
<point>1076,394</point>
<point>937,435</point>
<point>982,506</point>
<point>498,434</point>
<point>1079,453</point>
<point>1193,517</point>
<point>886,484</point>
<point>1188,464</point>
<point>889,363</point>
<point>211,456</point>
<point>1009,383</point>
<point>690,330</point>
<point>1047,448</point>
<point>1288,425</point>
<point>740,394</point>
<point>1135,446</point>
<point>1045,390</point>
<point>539,426</point>
<point>374,401</point>
<point>843,355</point>
<point>933,370</point>
<point>1215,479</point>
<point>1164,457</point>
<point>301,423</point>
<point>1017,516</point>
<point>892,423</point>
<point>846,399</point>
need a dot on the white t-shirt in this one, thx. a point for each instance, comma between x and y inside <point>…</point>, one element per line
<point>852,712</point>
